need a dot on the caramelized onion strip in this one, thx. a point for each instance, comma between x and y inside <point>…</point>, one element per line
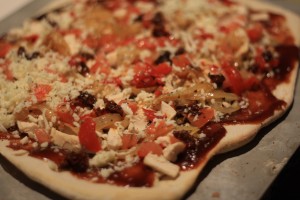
<point>107,121</point>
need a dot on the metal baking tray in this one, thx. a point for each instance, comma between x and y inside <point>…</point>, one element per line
<point>245,173</point>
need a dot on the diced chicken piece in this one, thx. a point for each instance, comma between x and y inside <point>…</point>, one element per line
<point>106,172</point>
<point>138,122</point>
<point>103,158</point>
<point>163,141</point>
<point>127,110</point>
<point>171,151</point>
<point>65,141</point>
<point>114,140</point>
<point>28,127</point>
<point>74,45</point>
<point>168,110</point>
<point>117,97</point>
<point>162,165</point>
<point>24,140</point>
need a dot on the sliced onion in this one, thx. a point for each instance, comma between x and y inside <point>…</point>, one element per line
<point>191,129</point>
<point>186,93</point>
<point>34,110</point>
<point>107,121</point>
<point>219,94</point>
<point>226,110</point>
<point>69,129</point>
<point>199,92</point>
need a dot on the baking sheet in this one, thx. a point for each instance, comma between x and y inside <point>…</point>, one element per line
<point>245,173</point>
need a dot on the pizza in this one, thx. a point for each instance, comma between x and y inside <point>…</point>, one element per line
<point>112,99</point>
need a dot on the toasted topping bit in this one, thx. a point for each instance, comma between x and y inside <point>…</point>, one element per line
<point>114,140</point>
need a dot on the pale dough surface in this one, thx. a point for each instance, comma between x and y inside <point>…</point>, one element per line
<point>73,188</point>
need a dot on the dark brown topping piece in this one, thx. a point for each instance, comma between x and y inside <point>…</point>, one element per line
<point>82,68</point>
<point>76,162</point>
<point>22,52</point>
<point>164,57</point>
<point>197,148</point>
<point>85,100</point>
<point>217,79</point>
<point>112,107</point>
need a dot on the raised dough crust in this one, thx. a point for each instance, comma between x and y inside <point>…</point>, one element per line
<point>69,186</point>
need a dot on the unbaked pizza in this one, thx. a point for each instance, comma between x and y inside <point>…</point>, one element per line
<point>130,99</point>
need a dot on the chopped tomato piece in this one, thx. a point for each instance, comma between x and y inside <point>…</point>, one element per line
<point>64,114</point>
<point>88,137</point>
<point>228,28</point>
<point>155,130</point>
<point>149,147</point>
<point>99,68</point>
<point>150,114</point>
<point>129,140</point>
<point>181,61</point>
<point>133,106</point>
<point>4,48</point>
<point>144,80</point>
<point>149,75</point>
<point>158,91</point>
<point>41,91</point>
<point>250,82</point>
<point>163,41</point>
<point>255,32</point>
<point>206,114</point>
<point>146,43</point>
<point>228,2</point>
<point>161,70</point>
<point>108,42</point>
<point>113,80</point>
<point>31,38</point>
<point>101,65</point>
<point>41,135</point>
<point>91,42</point>
<point>233,79</point>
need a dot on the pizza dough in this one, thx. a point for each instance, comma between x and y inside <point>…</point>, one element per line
<point>71,187</point>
